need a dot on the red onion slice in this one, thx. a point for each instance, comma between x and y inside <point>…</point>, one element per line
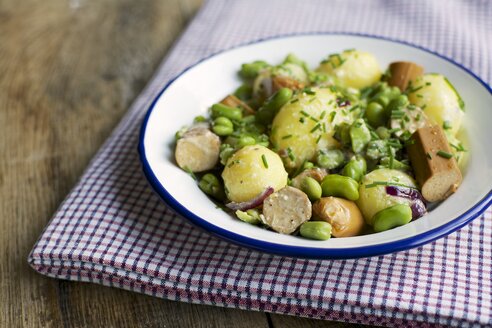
<point>255,202</point>
<point>418,203</point>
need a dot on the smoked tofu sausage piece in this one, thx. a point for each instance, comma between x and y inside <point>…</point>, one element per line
<point>402,73</point>
<point>285,210</point>
<point>435,169</point>
<point>198,150</point>
<point>315,173</point>
<point>235,102</point>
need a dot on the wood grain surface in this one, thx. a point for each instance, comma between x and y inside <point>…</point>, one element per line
<point>69,69</point>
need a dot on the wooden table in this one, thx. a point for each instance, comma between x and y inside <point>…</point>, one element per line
<point>69,69</point>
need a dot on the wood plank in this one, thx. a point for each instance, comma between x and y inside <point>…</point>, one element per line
<point>69,69</point>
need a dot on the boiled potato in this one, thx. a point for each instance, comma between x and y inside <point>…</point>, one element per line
<point>439,99</point>
<point>352,68</point>
<point>250,171</point>
<point>299,123</point>
<point>374,199</point>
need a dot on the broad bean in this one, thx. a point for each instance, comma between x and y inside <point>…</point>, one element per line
<point>312,188</point>
<point>359,135</point>
<point>340,186</point>
<point>231,113</point>
<point>251,70</point>
<point>212,186</point>
<point>356,168</point>
<point>267,112</point>
<point>392,217</point>
<point>318,230</point>
<point>222,126</point>
<point>330,159</point>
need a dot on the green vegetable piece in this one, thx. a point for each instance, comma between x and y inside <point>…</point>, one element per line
<point>375,114</point>
<point>394,164</point>
<point>293,59</point>
<point>222,126</point>
<point>340,186</point>
<point>392,217</point>
<point>377,149</point>
<point>212,186</point>
<point>267,112</point>
<point>342,133</point>
<point>312,188</point>
<point>307,165</point>
<point>251,70</point>
<point>244,92</point>
<point>359,135</point>
<point>246,141</point>
<point>317,230</point>
<point>397,104</point>
<point>226,151</point>
<point>356,168</point>
<point>226,111</point>
<point>330,159</point>
<point>250,216</point>
<point>383,132</point>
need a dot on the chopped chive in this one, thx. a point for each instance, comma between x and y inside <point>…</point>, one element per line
<point>290,154</point>
<point>287,136</point>
<point>318,139</point>
<point>374,135</point>
<point>301,120</point>
<point>387,183</point>
<point>429,156</point>
<point>304,113</point>
<point>444,154</point>
<point>294,101</point>
<point>418,117</point>
<point>394,130</point>
<point>265,163</point>
<point>458,147</point>
<point>323,127</point>
<point>308,91</point>
<point>332,116</point>
<point>353,108</point>
<point>316,127</point>
<point>190,172</point>
<point>313,119</point>
<point>446,125</point>
<point>323,113</point>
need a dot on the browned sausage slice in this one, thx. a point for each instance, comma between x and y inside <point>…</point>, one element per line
<point>235,102</point>
<point>435,170</point>
<point>402,73</point>
<point>285,210</point>
<point>198,150</point>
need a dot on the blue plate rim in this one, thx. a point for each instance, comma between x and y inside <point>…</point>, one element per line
<point>298,251</point>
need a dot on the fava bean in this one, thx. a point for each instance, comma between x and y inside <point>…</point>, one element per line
<point>312,188</point>
<point>226,151</point>
<point>392,217</point>
<point>383,132</point>
<point>307,165</point>
<point>342,133</point>
<point>359,135</point>
<point>222,126</point>
<point>356,168</point>
<point>211,185</point>
<point>330,159</point>
<point>244,92</point>
<point>226,111</point>
<point>250,216</point>
<point>318,230</point>
<point>340,186</point>
<point>246,141</point>
<point>375,114</point>
<point>267,112</point>
<point>251,70</point>
<point>399,103</point>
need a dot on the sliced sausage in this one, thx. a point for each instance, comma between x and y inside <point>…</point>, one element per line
<point>285,210</point>
<point>198,149</point>
<point>435,170</point>
<point>279,82</point>
<point>315,173</point>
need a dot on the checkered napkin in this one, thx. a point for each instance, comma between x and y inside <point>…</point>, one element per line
<point>113,230</point>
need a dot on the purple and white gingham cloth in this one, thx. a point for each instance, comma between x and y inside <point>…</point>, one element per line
<point>113,230</point>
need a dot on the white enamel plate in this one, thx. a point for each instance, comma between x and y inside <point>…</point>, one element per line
<point>208,81</point>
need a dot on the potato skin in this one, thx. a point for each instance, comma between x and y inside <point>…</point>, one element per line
<point>374,199</point>
<point>343,215</point>
<point>440,101</point>
<point>358,69</point>
<point>291,128</point>
<point>245,175</point>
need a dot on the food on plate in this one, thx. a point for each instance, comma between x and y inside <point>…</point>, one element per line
<point>337,151</point>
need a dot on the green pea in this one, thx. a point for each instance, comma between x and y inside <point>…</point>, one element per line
<point>356,168</point>
<point>383,100</point>
<point>340,186</point>
<point>375,114</point>
<point>330,159</point>
<point>312,188</point>
<point>359,135</point>
<point>212,186</point>
<point>267,112</point>
<point>398,103</point>
<point>222,126</point>
<point>383,132</point>
<point>251,70</point>
<point>318,230</point>
<point>246,141</point>
<point>226,111</point>
<point>392,217</point>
